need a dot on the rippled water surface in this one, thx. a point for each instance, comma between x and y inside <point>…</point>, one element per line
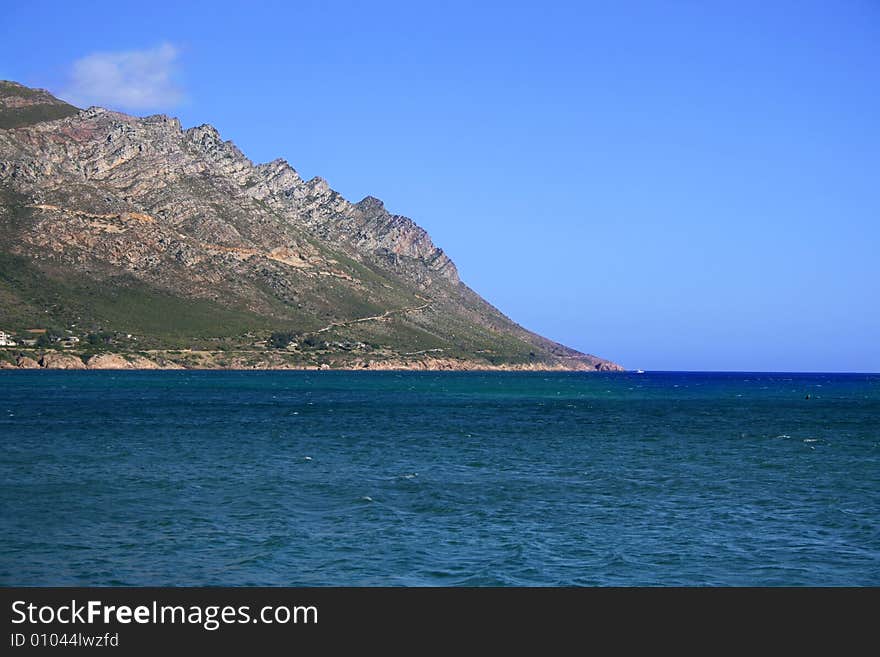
<point>305,478</point>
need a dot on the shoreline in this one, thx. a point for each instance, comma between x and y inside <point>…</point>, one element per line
<point>21,359</point>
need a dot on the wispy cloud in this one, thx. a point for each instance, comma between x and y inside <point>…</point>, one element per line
<point>131,79</point>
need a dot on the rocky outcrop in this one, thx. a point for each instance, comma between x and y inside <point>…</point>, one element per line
<point>112,361</point>
<point>108,362</point>
<point>606,366</point>
<point>141,363</point>
<point>56,361</point>
<point>27,363</point>
<point>393,241</point>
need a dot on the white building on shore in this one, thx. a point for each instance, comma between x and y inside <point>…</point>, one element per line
<point>6,340</point>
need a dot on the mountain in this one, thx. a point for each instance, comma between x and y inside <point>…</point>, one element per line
<point>134,235</point>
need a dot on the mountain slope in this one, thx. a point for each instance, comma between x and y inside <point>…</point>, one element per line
<point>125,225</point>
<point>21,106</point>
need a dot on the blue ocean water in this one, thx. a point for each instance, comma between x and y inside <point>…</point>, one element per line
<point>314,478</point>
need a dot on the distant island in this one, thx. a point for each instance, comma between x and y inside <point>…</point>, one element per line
<point>130,243</point>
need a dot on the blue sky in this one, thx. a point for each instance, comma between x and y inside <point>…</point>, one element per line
<point>672,185</point>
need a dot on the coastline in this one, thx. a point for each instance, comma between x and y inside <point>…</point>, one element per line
<point>19,359</point>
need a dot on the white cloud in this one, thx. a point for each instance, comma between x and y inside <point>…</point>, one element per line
<point>132,79</point>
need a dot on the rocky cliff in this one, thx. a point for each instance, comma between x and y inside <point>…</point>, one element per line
<point>169,238</point>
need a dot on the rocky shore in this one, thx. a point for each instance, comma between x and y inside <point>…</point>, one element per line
<point>218,360</point>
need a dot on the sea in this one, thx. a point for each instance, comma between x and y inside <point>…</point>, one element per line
<point>300,478</point>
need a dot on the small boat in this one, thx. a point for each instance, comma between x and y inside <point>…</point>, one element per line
<point>640,371</point>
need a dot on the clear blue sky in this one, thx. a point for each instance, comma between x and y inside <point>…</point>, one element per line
<point>673,185</point>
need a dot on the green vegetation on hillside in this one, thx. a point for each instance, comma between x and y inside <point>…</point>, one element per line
<point>31,298</point>
<point>44,108</point>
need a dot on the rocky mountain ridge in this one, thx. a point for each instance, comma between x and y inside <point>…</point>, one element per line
<point>137,226</point>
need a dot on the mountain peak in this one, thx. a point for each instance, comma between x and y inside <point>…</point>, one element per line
<point>370,204</point>
<point>205,129</point>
